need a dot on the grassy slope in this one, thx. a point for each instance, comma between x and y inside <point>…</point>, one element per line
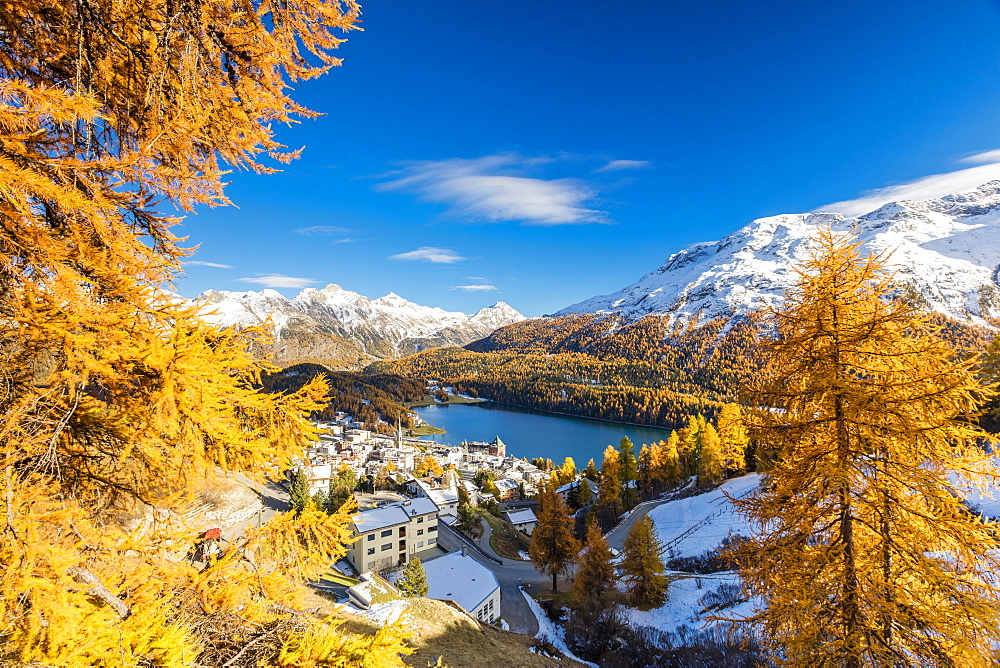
<point>440,630</point>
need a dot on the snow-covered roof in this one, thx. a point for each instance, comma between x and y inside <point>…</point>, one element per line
<point>505,484</point>
<point>443,497</point>
<point>571,485</point>
<point>460,578</point>
<point>521,516</point>
<point>392,515</point>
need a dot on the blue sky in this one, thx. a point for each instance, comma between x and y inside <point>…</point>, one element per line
<point>541,154</point>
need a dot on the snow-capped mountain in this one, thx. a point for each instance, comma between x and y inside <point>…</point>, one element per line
<point>336,324</point>
<point>946,249</point>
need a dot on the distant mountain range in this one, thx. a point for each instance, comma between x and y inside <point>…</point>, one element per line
<point>946,250</point>
<point>344,329</point>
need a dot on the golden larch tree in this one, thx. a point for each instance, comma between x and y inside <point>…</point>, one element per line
<point>642,565</point>
<point>595,575</point>
<point>732,432</point>
<point>865,553</point>
<point>114,397</point>
<point>711,465</point>
<point>609,496</point>
<point>553,548</point>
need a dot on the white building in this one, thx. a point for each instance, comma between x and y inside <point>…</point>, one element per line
<point>318,476</point>
<point>523,520</point>
<point>445,498</point>
<point>390,535</point>
<point>460,578</point>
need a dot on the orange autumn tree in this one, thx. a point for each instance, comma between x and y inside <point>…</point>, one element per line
<point>114,397</point>
<point>865,553</point>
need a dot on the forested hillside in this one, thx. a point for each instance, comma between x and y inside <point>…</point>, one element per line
<point>366,398</point>
<point>645,372</point>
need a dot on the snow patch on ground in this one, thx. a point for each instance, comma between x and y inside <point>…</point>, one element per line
<point>524,555</point>
<point>549,631</point>
<point>685,605</point>
<point>380,614</point>
<point>691,526</point>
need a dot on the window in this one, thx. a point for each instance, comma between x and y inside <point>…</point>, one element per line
<point>433,528</point>
<point>387,532</point>
<point>431,541</point>
<point>420,543</point>
<point>371,536</point>
<point>371,551</point>
<point>387,546</point>
<point>420,532</point>
<point>371,565</point>
<point>420,520</point>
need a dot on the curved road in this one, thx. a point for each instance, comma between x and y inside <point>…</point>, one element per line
<point>513,573</point>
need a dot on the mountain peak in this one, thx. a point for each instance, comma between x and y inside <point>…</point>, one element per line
<point>385,327</point>
<point>946,248</point>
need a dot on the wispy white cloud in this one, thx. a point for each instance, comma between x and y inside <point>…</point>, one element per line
<point>492,188</point>
<point>987,168</point>
<point>474,288</point>
<point>430,254</point>
<point>476,278</point>
<point>321,229</point>
<point>279,281</point>
<point>214,265</point>
<point>618,165</point>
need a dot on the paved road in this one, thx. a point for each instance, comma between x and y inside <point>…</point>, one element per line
<point>272,495</point>
<point>513,607</point>
<point>617,535</point>
<point>513,573</point>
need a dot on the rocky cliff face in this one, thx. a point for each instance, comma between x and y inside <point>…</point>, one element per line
<point>341,328</point>
<point>947,250</point>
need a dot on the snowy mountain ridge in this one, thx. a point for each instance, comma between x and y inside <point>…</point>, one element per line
<point>946,249</point>
<point>386,327</point>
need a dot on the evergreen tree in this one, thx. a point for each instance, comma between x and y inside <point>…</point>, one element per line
<point>414,580</point>
<point>595,576</point>
<point>609,495</point>
<point>553,545</point>
<point>647,473</point>
<point>298,490</point>
<point>733,434</point>
<point>642,566</point>
<point>583,493</point>
<point>591,472</point>
<point>629,467</point>
<point>866,554</point>
<point>710,461</point>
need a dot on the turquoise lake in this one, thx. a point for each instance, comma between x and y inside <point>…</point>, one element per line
<point>530,433</point>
